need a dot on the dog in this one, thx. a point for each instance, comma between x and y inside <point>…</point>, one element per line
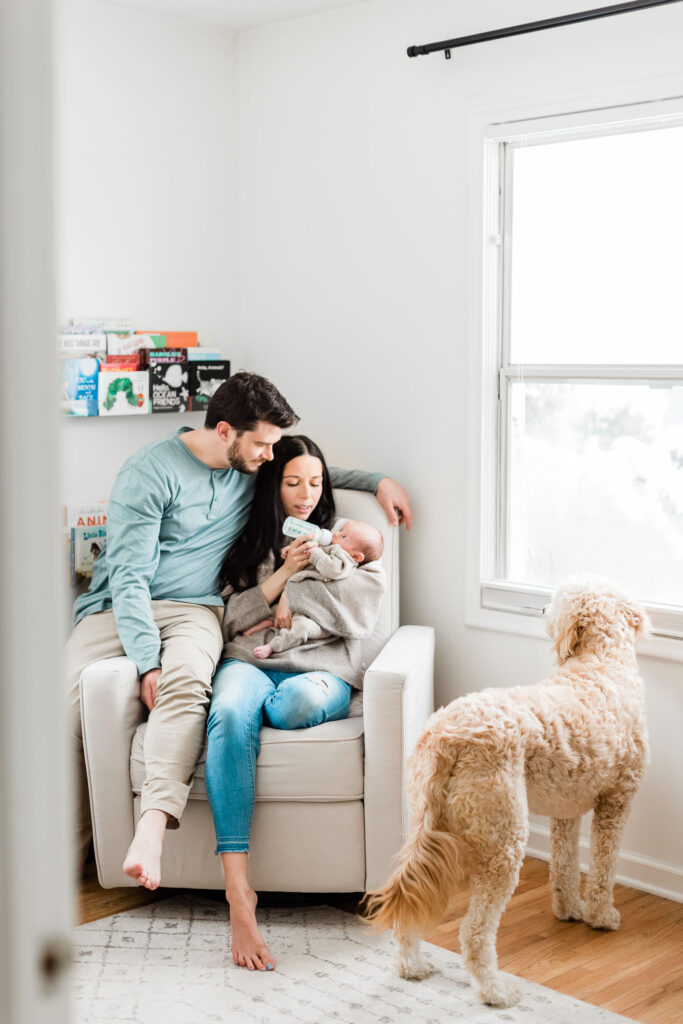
<point>575,742</point>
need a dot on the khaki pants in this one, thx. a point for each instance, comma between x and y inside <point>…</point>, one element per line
<point>191,646</point>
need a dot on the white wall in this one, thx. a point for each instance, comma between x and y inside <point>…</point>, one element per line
<point>355,262</point>
<point>147,202</point>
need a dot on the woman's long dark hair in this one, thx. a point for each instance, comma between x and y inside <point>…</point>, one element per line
<point>263,533</point>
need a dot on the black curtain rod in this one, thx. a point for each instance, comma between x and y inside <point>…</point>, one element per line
<point>536,26</point>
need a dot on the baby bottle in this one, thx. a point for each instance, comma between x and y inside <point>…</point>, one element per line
<point>300,528</point>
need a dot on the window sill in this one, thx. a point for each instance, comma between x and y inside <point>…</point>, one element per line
<point>519,610</point>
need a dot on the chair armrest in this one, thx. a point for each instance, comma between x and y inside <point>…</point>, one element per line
<point>398,698</point>
<point>111,711</point>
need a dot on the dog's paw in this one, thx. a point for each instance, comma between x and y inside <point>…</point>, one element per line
<point>568,908</point>
<point>416,968</point>
<point>608,918</point>
<point>500,991</point>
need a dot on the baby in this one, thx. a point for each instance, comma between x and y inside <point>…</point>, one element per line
<point>355,543</point>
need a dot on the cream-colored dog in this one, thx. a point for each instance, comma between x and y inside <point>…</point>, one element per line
<point>573,743</point>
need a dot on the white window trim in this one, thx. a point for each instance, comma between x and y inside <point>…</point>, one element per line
<point>491,603</point>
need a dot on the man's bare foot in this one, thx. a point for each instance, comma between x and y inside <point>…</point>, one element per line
<point>143,860</point>
<point>263,652</point>
<point>247,946</point>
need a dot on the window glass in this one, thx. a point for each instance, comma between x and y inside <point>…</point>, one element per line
<point>597,250</point>
<point>596,485</point>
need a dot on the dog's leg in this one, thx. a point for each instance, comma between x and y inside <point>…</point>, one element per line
<point>565,875</point>
<point>492,886</point>
<point>411,963</point>
<point>609,818</point>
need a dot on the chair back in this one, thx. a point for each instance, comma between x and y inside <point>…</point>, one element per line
<point>364,506</point>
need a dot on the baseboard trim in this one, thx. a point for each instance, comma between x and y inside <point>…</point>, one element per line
<point>636,872</point>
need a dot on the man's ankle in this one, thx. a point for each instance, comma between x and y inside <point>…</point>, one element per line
<point>153,821</point>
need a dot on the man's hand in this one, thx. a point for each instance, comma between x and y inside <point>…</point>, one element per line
<point>395,501</point>
<point>283,616</point>
<point>148,687</point>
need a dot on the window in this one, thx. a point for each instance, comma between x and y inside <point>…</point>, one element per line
<point>583,297</point>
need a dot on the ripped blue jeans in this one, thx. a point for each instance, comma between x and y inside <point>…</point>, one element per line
<point>243,699</point>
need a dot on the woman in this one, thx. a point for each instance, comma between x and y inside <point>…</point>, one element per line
<point>302,687</point>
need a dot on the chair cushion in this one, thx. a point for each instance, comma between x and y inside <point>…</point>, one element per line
<point>324,763</point>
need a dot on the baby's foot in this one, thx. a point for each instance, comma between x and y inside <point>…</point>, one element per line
<point>247,947</point>
<point>264,651</point>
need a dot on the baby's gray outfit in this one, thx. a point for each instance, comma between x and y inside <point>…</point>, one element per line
<point>327,563</point>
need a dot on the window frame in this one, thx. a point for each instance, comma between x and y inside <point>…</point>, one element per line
<point>492,601</point>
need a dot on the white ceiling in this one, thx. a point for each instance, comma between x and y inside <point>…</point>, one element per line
<point>237,14</point>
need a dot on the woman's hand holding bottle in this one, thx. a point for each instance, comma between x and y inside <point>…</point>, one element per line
<point>298,554</point>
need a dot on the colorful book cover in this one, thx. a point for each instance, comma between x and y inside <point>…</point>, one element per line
<point>82,342</point>
<point>103,323</point>
<point>176,339</point>
<point>203,355</point>
<point>122,362</point>
<point>125,393</point>
<point>168,387</point>
<point>167,355</point>
<point>205,380</point>
<point>79,386</point>
<point>87,528</point>
<point>123,344</point>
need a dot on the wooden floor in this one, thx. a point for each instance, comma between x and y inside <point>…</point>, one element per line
<point>637,971</point>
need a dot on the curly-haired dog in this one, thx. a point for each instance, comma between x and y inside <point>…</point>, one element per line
<point>573,743</point>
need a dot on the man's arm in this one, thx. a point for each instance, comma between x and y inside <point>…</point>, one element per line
<point>392,497</point>
<point>133,524</point>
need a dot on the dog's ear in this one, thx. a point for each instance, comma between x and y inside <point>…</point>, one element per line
<point>568,640</point>
<point>637,618</point>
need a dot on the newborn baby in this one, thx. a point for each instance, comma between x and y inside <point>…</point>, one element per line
<point>354,544</point>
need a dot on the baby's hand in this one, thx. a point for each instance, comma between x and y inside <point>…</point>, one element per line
<point>284,552</point>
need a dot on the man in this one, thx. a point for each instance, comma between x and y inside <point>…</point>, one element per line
<point>176,508</point>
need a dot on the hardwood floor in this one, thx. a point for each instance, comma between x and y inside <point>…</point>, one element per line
<point>637,971</point>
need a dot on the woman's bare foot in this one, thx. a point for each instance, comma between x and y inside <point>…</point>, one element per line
<point>143,860</point>
<point>262,652</point>
<point>247,946</point>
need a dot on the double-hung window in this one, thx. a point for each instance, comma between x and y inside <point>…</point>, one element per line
<point>583,359</point>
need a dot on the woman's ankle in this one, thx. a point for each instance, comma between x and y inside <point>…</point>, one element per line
<point>239,894</point>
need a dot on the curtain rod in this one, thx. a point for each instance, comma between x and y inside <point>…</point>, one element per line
<point>536,26</point>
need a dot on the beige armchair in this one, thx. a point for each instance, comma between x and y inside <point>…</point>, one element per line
<point>330,801</point>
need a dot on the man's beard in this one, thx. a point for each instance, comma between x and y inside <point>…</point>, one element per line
<point>237,461</point>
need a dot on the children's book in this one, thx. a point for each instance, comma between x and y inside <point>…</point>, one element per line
<point>205,380</point>
<point>203,355</point>
<point>87,529</point>
<point>168,386</point>
<point>81,342</point>
<point>79,386</point>
<point>167,355</point>
<point>176,339</point>
<point>124,393</point>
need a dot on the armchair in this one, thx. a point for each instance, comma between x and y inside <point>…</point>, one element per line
<point>330,801</point>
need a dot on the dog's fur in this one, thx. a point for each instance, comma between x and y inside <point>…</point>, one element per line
<point>575,742</point>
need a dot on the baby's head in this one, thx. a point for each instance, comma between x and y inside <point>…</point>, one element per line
<point>362,541</point>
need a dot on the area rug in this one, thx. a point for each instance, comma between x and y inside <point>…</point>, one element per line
<point>169,963</point>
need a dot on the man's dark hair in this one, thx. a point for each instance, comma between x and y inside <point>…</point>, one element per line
<point>245,399</point>
<point>263,533</point>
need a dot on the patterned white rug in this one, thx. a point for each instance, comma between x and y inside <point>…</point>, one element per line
<point>169,963</point>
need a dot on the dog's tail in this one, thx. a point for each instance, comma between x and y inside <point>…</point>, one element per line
<point>430,863</point>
